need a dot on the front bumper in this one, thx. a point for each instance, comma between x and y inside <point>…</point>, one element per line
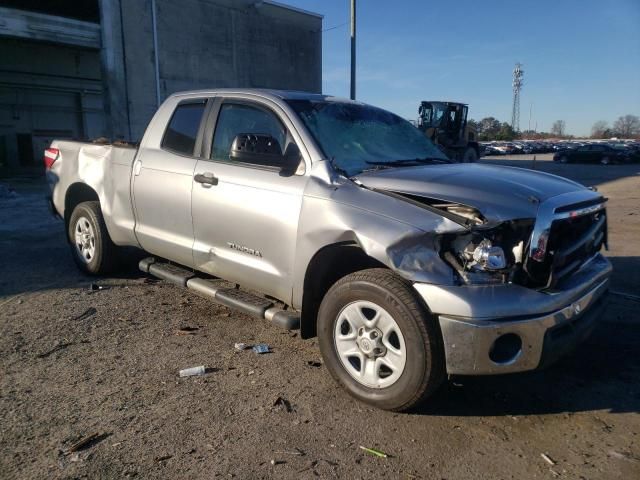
<point>548,324</point>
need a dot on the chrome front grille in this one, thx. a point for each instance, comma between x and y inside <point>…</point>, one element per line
<point>569,230</point>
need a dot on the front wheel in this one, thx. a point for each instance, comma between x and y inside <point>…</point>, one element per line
<point>470,155</point>
<point>379,342</point>
<point>89,241</point>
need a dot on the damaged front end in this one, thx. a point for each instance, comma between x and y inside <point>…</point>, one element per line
<point>483,253</point>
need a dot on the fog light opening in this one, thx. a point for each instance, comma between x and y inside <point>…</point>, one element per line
<point>506,349</point>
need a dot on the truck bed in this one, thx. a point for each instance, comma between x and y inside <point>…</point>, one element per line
<point>104,168</point>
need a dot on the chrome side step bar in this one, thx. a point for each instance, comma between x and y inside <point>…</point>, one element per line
<point>240,300</point>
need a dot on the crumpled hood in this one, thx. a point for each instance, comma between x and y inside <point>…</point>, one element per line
<point>499,193</point>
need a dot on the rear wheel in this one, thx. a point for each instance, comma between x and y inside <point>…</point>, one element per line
<point>379,342</point>
<point>564,159</point>
<point>91,246</point>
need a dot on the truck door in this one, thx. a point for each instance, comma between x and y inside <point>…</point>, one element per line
<point>163,179</point>
<point>245,210</point>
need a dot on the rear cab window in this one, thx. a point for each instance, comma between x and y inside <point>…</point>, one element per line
<point>182,131</point>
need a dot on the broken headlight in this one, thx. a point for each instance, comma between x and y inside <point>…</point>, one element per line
<point>483,258</point>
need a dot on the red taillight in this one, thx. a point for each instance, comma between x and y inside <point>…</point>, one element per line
<point>50,156</point>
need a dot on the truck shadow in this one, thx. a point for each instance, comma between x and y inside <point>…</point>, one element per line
<point>602,374</point>
<point>35,255</point>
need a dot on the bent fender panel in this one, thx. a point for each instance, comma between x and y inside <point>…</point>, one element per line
<point>386,238</point>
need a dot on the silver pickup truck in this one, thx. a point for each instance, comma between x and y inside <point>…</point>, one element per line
<point>343,220</point>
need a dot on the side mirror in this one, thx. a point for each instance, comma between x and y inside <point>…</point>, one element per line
<point>256,148</point>
<point>263,149</point>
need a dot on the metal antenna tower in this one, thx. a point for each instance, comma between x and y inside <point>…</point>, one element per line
<point>518,74</point>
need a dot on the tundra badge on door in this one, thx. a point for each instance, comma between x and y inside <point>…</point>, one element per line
<point>243,249</point>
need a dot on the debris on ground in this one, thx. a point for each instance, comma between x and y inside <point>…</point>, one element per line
<point>85,442</point>
<point>242,346</point>
<point>89,312</point>
<point>75,457</point>
<point>313,363</point>
<point>296,451</point>
<point>94,287</point>
<point>548,459</point>
<point>375,452</point>
<point>261,348</point>
<point>57,347</point>
<point>162,458</point>
<point>284,404</point>
<point>277,462</point>
<point>186,331</point>
<point>190,372</point>
<point>623,455</point>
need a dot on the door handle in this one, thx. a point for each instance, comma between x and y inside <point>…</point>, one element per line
<point>206,179</point>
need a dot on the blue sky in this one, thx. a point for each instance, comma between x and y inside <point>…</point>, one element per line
<point>581,58</point>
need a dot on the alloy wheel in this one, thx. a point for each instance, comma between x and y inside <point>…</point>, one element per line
<point>85,239</point>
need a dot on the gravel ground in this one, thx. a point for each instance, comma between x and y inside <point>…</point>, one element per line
<point>76,363</point>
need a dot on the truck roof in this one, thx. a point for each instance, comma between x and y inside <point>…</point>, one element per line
<point>264,92</point>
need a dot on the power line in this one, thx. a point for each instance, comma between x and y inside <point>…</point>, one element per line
<point>335,26</point>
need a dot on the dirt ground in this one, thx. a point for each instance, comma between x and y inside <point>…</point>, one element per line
<point>75,363</point>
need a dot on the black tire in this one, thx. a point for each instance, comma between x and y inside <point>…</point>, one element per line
<point>424,370</point>
<point>105,257</point>
<point>470,155</point>
<point>564,159</point>
<point>606,160</point>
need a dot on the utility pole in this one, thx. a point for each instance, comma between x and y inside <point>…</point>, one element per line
<point>353,49</point>
<point>530,108</point>
<point>154,26</point>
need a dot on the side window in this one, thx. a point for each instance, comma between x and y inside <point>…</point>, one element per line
<point>181,133</point>
<point>237,119</point>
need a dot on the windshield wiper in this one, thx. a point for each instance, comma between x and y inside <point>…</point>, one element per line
<point>410,161</point>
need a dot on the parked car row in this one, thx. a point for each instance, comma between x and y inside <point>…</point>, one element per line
<point>573,151</point>
<point>516,148</point>
<point>604,153</point>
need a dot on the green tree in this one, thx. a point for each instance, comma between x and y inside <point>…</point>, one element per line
<point>488,128</point>
<point>506,132</point>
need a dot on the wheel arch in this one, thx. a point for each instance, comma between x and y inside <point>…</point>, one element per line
<point>327,266</point>
<point>76,194</point>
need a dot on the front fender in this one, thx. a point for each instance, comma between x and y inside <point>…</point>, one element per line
<point>383,227</point>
